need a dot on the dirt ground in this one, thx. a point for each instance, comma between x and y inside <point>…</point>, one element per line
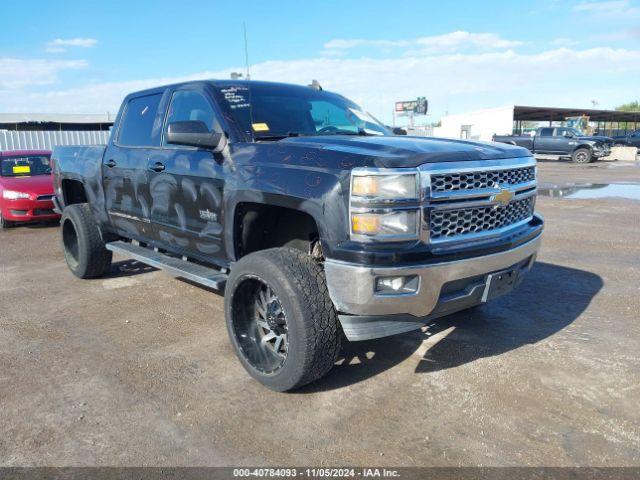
<point>136,369</point>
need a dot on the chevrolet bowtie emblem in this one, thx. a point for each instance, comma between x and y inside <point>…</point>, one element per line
<point>504,197</point>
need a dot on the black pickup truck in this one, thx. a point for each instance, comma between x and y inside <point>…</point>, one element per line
<point>561,142</point>
<point>318,222</point>
<point>631,139</point>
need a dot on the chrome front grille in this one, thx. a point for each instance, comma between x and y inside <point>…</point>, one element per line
<point>471,201</point>
<point>450,182</point>
<point>445,224</point>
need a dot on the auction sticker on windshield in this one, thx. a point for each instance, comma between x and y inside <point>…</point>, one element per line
<point>21,169</point>
<point>260,127</point>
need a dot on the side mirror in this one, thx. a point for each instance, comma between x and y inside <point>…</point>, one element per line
<point>194,133</point>
<point>399,131</point>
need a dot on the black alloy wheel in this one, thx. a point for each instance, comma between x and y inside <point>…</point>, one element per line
<point>260,326</point>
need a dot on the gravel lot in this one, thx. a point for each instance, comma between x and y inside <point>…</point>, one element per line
<point>136,369</point>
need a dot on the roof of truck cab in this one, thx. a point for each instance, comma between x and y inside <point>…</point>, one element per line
<point>218,83</point>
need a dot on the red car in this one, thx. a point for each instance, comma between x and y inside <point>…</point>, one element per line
<point>26,187</point>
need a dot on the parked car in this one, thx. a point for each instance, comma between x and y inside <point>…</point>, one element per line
<point>631,139</point>
<point>26,187</point>
<point>561,142</point>
<point>316,220</point>
<point>396,130</point>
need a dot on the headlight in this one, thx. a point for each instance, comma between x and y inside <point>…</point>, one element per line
<point>384,205</point>
<point>385,187</point>
<point>395,225</point>
<point>13,195</point>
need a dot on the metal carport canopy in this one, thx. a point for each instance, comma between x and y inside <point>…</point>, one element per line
<point>539,114</point>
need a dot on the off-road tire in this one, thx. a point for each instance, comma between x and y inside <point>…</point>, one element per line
<point>82,243</point>
<point>581,155</point>
<point>314,332</point>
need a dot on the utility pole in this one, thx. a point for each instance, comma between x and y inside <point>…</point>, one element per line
<point>246,50</point>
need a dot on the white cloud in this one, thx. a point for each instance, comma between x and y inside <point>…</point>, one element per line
<point>453,81</point>
<point>618,35</point>
<point>19,73</point>
<point>91,98</point>
<point>342,44</point>
<point>61,45</point>
<point>608,8</point>
<point>460,40</point>
<point>446,43</point>
<point>601,6</point>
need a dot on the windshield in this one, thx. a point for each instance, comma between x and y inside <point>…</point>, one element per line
<point>25,166</point>
<point>277,111</point>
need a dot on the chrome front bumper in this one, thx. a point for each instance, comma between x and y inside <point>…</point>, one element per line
<point>352,287</point>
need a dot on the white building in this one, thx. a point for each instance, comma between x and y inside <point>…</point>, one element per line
<point>478,125</point>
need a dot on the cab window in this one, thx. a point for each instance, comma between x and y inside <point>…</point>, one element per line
<point>141,126</point>
<point>546,132</point>
<point>189,105</point>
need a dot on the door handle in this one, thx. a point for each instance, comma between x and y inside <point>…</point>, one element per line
<point>157,167</point>
<point>110,163</point>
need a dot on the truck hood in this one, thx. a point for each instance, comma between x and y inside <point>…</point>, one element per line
<point>596,138</point>
<point>35,185</point>
<point>406,151</point>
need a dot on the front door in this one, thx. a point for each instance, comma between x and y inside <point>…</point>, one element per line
<point>186,185</point>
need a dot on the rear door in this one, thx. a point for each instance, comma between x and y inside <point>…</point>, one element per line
<point>187,184</point>
<point>125,175</point>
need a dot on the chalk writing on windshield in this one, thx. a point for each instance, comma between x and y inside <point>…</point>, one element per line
<point>235,96</point>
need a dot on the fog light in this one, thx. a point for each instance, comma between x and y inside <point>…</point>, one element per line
<point>397,285</point>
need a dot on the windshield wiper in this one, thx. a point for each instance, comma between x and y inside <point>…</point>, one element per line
<point>361,132</point>
<point>281,136</point>
<point>369,133</point>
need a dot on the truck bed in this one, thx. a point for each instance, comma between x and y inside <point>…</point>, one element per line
<point>82,164</point>
<point>525,141</point>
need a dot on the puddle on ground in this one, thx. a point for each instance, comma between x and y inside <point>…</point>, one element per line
<point>591,190</point>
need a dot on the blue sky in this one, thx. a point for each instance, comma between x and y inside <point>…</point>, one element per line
<point>77,56</point>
